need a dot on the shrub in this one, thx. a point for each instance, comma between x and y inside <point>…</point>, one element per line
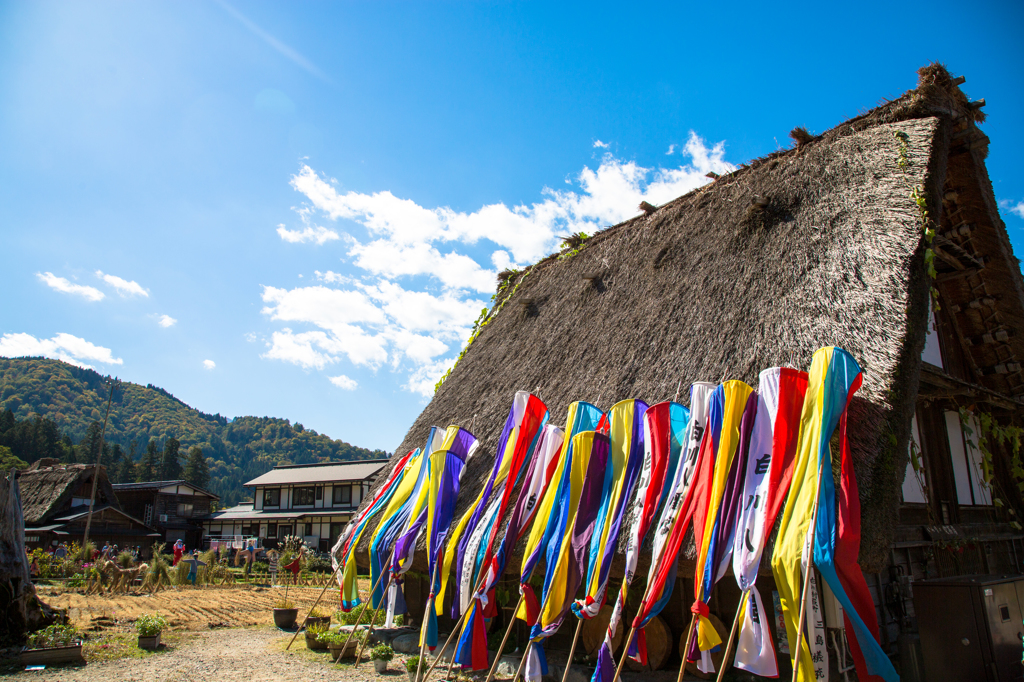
<point>53,635</point>
<point>319,565</point>
<point>412,663</point>
<point>77,580</point>
<point>382,652</point>
<point>260,567</point>
<point>369,616</point>
<point>399,620</point>
<point>284,604</point>
<point>150,624</point>
<point>316,630</point>
<point>318,612</point>
<point>335,638</point>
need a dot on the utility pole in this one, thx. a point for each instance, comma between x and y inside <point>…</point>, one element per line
<point>96,471</point>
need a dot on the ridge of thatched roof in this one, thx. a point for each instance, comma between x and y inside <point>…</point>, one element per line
<point>720,284</point>
<point>45,490</point>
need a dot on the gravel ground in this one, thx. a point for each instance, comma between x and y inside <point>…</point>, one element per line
<point>227,655</point>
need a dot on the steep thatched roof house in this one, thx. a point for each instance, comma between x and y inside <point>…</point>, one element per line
<point>827,243</point>
<point>55,503</point>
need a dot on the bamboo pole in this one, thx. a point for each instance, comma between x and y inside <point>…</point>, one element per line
<point>686,649</point>
<point>448,641</point>
<point>504,641</point>
<point>315,604</point>
<point>426,614</point>
<point>732,632</point>
<point>625,650</point>
<point>807,574</point>
<point>522,663</point>
<point>572,651</point>
<point>369,600</point>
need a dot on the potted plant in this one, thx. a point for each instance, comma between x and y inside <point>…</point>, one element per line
<point>285,614</point>
<point>336,639</point>
<point>149,626</point>
<point>411,664</point>
<point>381,654</point>
<point>52,645</point>
<point>318,617</point>
<point>313,634</point>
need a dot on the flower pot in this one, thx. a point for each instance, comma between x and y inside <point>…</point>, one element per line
<point>53,655</point>
<point>313,643</point>
<point>380,666</point>
<point>317,620</point>
<point>412,675</point>
<point>150,643</point>
<point>349,652</point>
<point>285,618</point>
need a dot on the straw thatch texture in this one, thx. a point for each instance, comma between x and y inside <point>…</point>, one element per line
<point>718,284</point>
<point>45,490</point>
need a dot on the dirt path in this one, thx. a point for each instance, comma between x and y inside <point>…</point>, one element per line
<point>250,654</point>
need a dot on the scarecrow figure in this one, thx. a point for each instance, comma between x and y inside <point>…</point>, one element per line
<point>272,565</point>
<point>195,563</point>
<point>179,549</point>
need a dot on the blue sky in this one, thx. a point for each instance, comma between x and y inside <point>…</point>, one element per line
<point>298,209</point>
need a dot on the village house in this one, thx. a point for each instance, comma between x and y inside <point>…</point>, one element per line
<point>313,501</point>
<point>172,507</point>
<point>55,503</point>
<point>881,236</point>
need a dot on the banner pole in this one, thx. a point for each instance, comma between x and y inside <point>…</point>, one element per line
<point>504,641</point>
<point>807,577</point>
<point>572,651</point>
<point>732,633</point>
<point>686,649</point>
<point>625,651</point>
<point>368,602</point>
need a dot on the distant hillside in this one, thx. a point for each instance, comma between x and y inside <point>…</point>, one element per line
<point>236,450</point>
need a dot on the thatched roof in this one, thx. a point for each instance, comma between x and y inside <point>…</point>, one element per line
<point>45,491</point>
<point>714,286</point>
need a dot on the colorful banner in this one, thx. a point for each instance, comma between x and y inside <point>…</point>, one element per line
<point>833,379</point>
<point>549,530</point>
<point>565,555</point>
<point>472,648</point>
<point>518,438</point>
<point>345,547</point>
<point>726,435</point>
<point>681,500</point>
<point>625,459</point>
<point>665,427</point>
<point>446,465</point>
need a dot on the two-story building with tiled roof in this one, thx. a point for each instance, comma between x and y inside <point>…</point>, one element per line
<point>313,501</point>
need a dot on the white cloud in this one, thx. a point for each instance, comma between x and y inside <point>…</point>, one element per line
<point>1016,209</point>
<point>369,318</point>
<point>209,364</point>
<point>343,382</point>
<point>313,233</point>
<point>71,349</point>
<point>166,321</point>
<point>65,287</point>
<point>600,145</point>
<point>123,286</point>
<point>671,150</point>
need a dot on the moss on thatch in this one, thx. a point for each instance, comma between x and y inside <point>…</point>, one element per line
<point>45,490</point>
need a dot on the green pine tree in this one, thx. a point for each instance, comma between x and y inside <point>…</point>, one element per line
<point>196,471</point>
<point>146,471</point>
<point>125,465</point>
<point>170,467</point>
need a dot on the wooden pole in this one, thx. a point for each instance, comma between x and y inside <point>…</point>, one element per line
<point>369,600</point>
<point>96,471</point>
<point>426,614</point>
<point>448,641</point>
<point>686,649</point>
<point>625,650</point>
<point>807,575</point>
<point>572,651</point>
<point>504,641</point>
<point>315,604</point>
<point>522,663</point>
<point>732,633</point>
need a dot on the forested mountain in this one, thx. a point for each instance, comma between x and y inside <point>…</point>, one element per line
<point>46,406</point>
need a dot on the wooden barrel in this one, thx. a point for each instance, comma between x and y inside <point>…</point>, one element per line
<point>659,646</point>
<point>716,657</point>
<point>592,634</point>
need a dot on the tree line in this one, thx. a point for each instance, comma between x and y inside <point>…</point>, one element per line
<point>25,441</point>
